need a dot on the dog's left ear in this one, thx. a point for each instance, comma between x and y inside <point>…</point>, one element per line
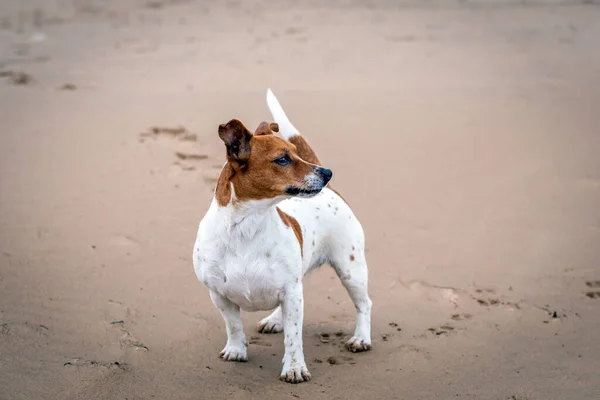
<point>237,140</point>
<point>265,128</point>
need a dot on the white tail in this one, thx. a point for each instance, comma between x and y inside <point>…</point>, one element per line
<point>286,129</point>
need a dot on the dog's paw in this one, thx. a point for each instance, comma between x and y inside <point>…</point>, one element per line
<point>356,344</point>
<point>295,374</point>
<point>269,325</point>
<point>234,353</point>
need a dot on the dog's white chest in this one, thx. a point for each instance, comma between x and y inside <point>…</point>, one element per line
<point>250,268</point>
<point>253,283</point>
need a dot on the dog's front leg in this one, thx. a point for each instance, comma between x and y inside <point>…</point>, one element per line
<point>235,349</point>
<point>292,306</point>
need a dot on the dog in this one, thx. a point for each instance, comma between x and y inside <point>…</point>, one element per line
<point>272,220</point>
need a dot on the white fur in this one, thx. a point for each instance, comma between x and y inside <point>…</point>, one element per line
<point>251,260</point>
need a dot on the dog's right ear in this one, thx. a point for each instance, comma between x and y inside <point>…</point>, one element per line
<point>237,141</point>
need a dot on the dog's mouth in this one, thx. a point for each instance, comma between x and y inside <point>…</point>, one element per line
<point>315,181</point>
<point>302,192</point>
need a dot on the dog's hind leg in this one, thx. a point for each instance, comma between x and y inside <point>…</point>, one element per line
<point>352,271</point>
<point>271,324</point>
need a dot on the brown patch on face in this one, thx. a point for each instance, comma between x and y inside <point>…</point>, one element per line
<point>261,178</point>
<point>351,257</point>
<point>253,165</point>
<point>305,152</point>
<point>292,223</point>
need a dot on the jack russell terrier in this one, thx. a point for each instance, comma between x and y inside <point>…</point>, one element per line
<point>272,221</point>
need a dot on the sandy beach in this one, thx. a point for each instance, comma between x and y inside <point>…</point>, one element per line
<point>464,135</point>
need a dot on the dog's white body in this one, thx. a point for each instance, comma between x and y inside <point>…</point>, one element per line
<point>251,259</point>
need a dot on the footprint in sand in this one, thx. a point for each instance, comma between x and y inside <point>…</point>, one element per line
<point>461,316</point>
<point>188,159</point>
<point>594,294</point>
<point>80,362</point>
<point>437,293</point>
<point>335,360</point>
<point>25,329</point>
<point>486,298</point>
<point>443,330</point>
<point>489,298</point>
<point>395,326</point>
<point>339,360</point>
<point>16,337</point>
<point>17,78</point>
<point>259,341</point>
<point>129,341</point>
<point>409,351</point>
<point>338,338</point>
<point>190,156</point>
<point>178,132</point>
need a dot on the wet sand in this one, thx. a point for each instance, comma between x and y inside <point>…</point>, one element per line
<point>463,134</point>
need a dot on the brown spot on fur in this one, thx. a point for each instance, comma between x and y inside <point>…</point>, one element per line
<point>268,255</point>
<point>304,150</point>
<point>351,257</point>
<point>292,223</point>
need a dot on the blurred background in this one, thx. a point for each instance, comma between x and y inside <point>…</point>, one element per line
<point>464,135</point>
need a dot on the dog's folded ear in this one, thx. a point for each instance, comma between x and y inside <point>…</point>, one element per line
<point>237,140</point>
<point>265,128</point>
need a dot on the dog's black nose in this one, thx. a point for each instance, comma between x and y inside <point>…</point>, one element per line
<point>326,173</point>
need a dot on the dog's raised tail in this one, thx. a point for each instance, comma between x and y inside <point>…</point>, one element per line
<point>286,129</point>
<point>289,131</point>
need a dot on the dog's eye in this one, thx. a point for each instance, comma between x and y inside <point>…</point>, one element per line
<point>283,160</point>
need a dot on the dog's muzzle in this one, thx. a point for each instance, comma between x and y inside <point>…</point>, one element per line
<point>314,183</point>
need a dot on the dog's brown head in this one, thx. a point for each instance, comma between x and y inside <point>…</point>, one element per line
<point>264,166</point>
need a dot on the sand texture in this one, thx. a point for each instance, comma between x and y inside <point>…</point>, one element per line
<point>464,134</point>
